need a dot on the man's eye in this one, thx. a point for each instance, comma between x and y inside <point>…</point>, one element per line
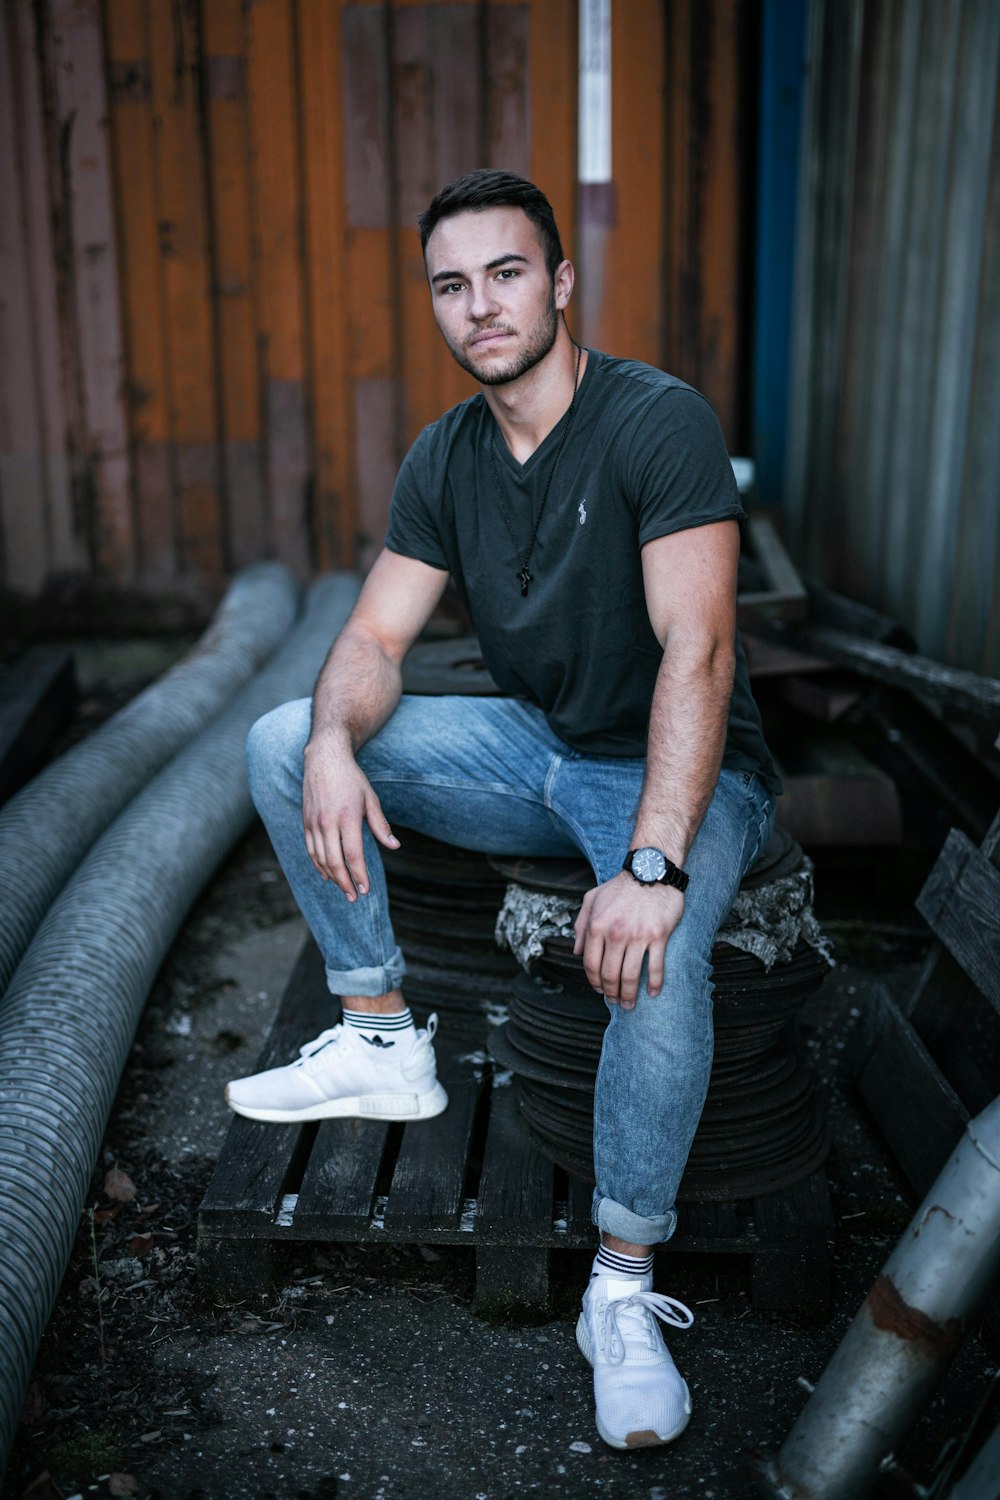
<point>453,286</point>
<point>507,274</point>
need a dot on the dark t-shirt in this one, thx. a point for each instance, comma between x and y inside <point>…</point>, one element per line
<point>643,457</point>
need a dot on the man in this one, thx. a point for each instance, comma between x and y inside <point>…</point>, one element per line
<point>585,508</point>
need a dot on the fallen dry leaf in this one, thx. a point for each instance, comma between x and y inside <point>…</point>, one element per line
<point>34,1403</point>
<point>140,1245</point>
<point>118,1185</point>
<point>122,1484</point>
<point>106,1215</point>
<point>150,1208</point>
<point>42,1488</point>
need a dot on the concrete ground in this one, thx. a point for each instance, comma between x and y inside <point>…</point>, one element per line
<point>369,1376</point>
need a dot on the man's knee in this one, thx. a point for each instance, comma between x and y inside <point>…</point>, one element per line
<point>275,745</point>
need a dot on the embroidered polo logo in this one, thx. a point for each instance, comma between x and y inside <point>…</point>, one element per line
<point>582,508</point>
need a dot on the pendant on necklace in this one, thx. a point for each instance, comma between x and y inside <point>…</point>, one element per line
<point>525,578</point>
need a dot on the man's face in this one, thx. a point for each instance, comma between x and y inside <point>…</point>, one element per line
<point>493,299</point>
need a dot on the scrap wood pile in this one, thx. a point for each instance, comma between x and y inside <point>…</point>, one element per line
<point>877,745</point>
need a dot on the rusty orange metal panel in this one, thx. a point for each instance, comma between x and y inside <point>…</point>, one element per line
<point>224,87</point>
<point>334,501</point>
<point>371,267</point>
<point>552,72</point>
<point>707,172</point>
<point>132,128</point>
<point>508,99</point>
<point>277,204</point>
<point>66,547</point>
<point>81,110</point>
<point>24,550</point>
<point>186,271</point>
<point>631,315</point>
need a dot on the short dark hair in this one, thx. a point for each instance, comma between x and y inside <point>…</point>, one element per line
<point>487,187</point>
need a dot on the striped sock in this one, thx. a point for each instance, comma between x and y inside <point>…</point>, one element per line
<point>382,1031</point>
<point>611,1263</point>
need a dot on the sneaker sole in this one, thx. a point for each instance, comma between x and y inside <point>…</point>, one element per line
<point>643,1437</point>
<point>362,1107</point>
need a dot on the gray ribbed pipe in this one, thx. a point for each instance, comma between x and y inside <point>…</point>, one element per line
<point>48,827</point>
<point>73,1005</point>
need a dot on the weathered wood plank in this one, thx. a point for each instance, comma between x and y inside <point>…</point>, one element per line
<point>965,691</point>
<point>133,134</point>
<point>82,110</point>
<point>515,1188</point>
<point>337,1196</point>
<point>960,902</point>
<point>322,105</point>
<point>185,268</point>
<point>835,795</point>
<point>919,1114</point>
<point>256,1159</point>
<point>36,151</point>
<point>24,553</point>
<point>426,1190</point>
<point>229,188</point>
<point>277,201</point>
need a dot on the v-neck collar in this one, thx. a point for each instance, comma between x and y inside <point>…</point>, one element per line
<point>549,441</point>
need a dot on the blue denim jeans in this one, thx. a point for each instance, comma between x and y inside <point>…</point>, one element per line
<point>489,774</point>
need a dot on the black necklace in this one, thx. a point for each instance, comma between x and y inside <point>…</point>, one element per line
<point>524,577</point>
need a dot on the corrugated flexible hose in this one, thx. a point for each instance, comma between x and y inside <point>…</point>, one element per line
<point>72,1007</point>
<point>48,827</point>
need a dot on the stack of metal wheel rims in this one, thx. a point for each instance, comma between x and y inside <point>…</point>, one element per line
<point>444,903</point>
<point>763,1125</point>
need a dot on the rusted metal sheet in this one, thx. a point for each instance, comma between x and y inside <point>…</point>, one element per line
<point>229,205</point>
<point>894,449</point>
<point>234,340</point>
<point>708,170</point>
<point>81,109</point>
<point>133,128</point>
<point>23,548</point>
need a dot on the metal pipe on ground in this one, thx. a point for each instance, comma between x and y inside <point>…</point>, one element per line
<point>905,1333</point>
<point>73,1005</point>
<point>48,827</point>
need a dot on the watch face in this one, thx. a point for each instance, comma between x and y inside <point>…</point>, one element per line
<point>648,865</point>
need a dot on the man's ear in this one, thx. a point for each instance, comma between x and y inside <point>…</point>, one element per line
<point>563,283</point>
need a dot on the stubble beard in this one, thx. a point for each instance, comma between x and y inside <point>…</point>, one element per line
<point>536,346</point>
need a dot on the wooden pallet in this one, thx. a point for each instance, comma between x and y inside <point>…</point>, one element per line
<point>471,1177</point>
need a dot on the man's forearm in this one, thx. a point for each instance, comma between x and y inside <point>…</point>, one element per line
<point>687,735</point>
<point>357,690</point>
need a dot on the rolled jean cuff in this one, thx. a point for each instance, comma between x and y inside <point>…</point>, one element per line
<point>611,1218</point>
<point>379,981</point>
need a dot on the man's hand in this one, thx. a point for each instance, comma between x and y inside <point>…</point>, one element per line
<point>621,922</point>
<point>337,798</point>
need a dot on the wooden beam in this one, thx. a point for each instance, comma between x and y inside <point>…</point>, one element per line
<point>960,902</point>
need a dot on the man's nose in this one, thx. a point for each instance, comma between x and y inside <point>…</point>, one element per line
<point>483,302</point>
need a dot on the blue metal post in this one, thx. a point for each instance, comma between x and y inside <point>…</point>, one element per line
<point>782,76</point>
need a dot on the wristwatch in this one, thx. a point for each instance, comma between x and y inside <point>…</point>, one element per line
<point>652,867</point>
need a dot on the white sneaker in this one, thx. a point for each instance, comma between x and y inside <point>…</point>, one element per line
<point>338,1075</point>
<point>641,1398</point>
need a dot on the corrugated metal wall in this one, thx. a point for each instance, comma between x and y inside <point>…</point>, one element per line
<point>893,491</point>
<point>216,340</point>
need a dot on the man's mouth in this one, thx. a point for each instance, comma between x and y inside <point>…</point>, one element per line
<point>488,336</point>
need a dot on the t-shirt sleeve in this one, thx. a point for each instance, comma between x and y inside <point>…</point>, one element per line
<point>413,526</point>
<point>678,471</point>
